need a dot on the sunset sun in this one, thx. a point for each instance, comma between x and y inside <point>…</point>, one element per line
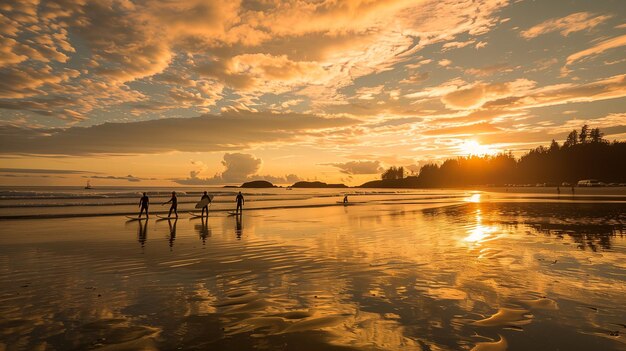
<point>474,148</point>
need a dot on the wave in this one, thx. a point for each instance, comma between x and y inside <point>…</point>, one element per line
<point>183,213</point>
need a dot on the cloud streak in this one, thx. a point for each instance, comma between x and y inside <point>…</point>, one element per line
<point>575,22</point>
<point>229,131</point>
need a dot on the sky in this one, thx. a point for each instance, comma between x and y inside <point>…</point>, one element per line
<point>203,92</point>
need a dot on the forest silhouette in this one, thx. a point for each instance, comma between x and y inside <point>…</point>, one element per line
<point>583,155</point>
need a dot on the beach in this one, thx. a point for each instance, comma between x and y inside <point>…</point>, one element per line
<point>393,270</point>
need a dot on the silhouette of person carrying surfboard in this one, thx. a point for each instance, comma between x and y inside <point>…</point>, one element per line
<point>143,204</point>
<point>206,198</point>
<point>240,202</point>
<point>174,206</point>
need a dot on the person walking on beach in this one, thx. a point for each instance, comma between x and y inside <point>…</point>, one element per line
<point>206,207</point>
<point>345,199</point>
<point>143,204</point>
<point>240,202</point>
<point>174,206</point>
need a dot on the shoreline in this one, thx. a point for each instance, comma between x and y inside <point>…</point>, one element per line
<point>488,197</point>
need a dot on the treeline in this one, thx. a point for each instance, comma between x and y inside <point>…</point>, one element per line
<point>583,155</point>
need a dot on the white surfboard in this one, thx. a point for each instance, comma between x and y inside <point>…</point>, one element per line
<point>204,202</point>
<point>165,217</point>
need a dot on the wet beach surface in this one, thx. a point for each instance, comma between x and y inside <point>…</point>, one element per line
<point>471,275</point>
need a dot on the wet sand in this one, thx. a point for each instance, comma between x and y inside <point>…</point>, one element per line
<point>514,275</point>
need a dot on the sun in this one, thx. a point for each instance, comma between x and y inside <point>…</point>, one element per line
<point>474,148</point>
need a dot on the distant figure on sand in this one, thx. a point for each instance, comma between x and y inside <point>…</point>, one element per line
<point>174,207</point>
<point>143,204</point>
<point>206,207</point>
<point>240,202</point>
<point>345,199</point>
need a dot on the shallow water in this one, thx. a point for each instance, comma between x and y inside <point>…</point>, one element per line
<point>476,275</point>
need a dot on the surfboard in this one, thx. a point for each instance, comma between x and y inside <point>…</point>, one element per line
<point>165,217</point>
<point>204,202</point>
<point>232,213</point>
<point>136,218</point>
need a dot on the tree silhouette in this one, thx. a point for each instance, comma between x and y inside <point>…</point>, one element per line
<point>584,134</point>
<point>572,138</point>
<point>393,173</point>
<point>596,136</point>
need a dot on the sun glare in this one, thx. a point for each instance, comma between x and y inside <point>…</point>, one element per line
<point>474,148</point>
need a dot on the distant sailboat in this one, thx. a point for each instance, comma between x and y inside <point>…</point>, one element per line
<point>88,186</point>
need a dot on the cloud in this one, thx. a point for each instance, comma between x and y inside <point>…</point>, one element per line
<point>490,69</point>
<point>369,93</point>
<point>520,94</point>
<point>239,168</point>
<point>566,25</point>
<point>608,88</point>
<point>358,167</point>
<point>463,130</point>
<point>597,49</point>
<point>129,178</point>
<point>129,58</point>
<point>608,121</point>
<point>228,131</point>
<point>27,81</point>
<point>456,44</point>
<point>416,78</point>
<point>42,171</point>
<point>479,93</point>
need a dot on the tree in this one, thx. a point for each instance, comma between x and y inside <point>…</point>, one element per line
<point>554,146</point>
<point>572,139</point>
<point>596,135</point>
<point>584,134</point>
<point>393,173</point>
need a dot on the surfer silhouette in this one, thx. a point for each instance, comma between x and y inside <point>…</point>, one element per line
<point>240,202</point>
<point>345,199</point>
<point>143,204</point>
<point>206,207</point>
<point>174,206</point>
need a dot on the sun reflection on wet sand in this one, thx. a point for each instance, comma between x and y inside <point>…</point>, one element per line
<point>480,232</point>
<point>474,198</point>
<point>481,276</point>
